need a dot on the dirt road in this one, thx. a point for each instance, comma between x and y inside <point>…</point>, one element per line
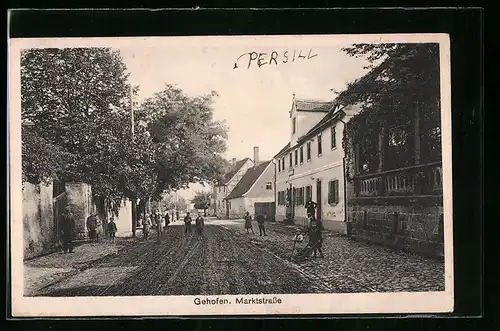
<point>218,262</point>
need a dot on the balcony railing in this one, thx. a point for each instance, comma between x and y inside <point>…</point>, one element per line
<point>424,179</point>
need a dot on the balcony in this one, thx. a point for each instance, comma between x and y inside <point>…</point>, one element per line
<point>418,180</point>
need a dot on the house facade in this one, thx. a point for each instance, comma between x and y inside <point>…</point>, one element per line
<point>254,193</point>
<point>311,165</point>
<point>222,189</point>
<point>394,177</point>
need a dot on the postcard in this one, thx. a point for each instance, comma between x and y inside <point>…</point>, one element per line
<point>230,175</point>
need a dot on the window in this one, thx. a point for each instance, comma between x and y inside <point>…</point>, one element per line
<point>283,162</point>
<point>296,157</point>
<point>333,192</point>
<point>281,198</point>
<point>279,165</point>
<point>308,150</point>
<point>301,154</point>
<point>334,138</point>
<point>309,192</point>
<point>299,197</point>
<point>294,125</point>
<point>397,136</point>
<point>294,195</point>
<point>291,162</point>
<point>269,186</point>
<point>320,148</point>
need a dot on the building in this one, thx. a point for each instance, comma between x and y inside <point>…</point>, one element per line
<point>254,193</point>
<point>394,177</point>
<point>226,185</point>
<point>311,165</point>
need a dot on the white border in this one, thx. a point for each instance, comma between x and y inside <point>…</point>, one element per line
<point>425,302</point>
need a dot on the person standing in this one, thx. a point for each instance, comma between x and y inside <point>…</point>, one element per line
<point>68,230</point>
<point>167,220</point>
<point>311,207</point>
<point>261,219</point>
<point>248,223</point>
<point>315,238</point>
<point>92,227</point>
<point>200,224</point>
<point>159,228</point>
<point>112,229</point>
<point>187,223</point>
<point>145,227</point>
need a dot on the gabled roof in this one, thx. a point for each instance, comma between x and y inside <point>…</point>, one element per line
<point>247,181</point>
<point>313,105</point>
<point>234,169</point>
<point>283,150</point>
<point>328,118</point>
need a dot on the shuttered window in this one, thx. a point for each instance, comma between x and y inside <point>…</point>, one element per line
<point>333,192</point>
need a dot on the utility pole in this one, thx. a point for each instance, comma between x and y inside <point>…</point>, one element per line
<point>134,201</point>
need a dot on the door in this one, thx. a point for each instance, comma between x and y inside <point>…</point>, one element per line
<point>227,208</point>
<point>267,208</point>
<point>318,200</point>
<point>290,212</point>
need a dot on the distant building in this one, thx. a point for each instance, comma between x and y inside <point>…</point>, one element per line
<point>311,164</point>
<point>225,186</point>
<point>254,193</point>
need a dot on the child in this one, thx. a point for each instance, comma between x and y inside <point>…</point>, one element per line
<point>248,222</point>
<point>298,238</point>
<point>200,222</point>
<point>315,238</point>
<point>112,229</point>
<point>145,227</point>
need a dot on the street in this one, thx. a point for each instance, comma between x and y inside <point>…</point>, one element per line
<point>225,260</point>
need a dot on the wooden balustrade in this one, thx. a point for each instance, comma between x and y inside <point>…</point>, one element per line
<point>424,179</point>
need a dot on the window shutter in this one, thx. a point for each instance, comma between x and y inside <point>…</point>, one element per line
<point>336,187</point>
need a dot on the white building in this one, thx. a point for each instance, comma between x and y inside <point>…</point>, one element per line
<point>229,181</point>
<point>254,193</point>
<point>311,165</point>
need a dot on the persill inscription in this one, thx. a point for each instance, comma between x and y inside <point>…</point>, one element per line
<point>255,59</point>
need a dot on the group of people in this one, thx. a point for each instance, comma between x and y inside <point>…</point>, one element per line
<point>260,218</point>
<point>156,219</point>
<point>314,232</point>
<point>161,225</point>
<point>92,225</point>
<point>68,229</point>
<point>199,224</point>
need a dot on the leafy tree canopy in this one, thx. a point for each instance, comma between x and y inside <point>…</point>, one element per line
<point>189,142</point>
<point>403,78</point>
<point>202,200</point>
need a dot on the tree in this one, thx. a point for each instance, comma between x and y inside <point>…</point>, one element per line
<point>189,142</point>
<point>78,100</point>
<point>403,78</point>
<point>202,200</point>
<point>41,167</point>
<point>181,204</point>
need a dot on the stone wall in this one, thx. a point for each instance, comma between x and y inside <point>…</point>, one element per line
<point>124,219</point>
<point>80,196</point>
<point>412,224</point>
<point>38,220</point>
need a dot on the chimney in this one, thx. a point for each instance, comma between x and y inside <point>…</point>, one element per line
<point>255,155</point>
<point>233,161</point>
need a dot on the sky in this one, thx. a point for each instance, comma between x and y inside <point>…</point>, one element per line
<point>253,101</point>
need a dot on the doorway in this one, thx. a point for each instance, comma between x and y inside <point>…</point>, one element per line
<point>318,200</point>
